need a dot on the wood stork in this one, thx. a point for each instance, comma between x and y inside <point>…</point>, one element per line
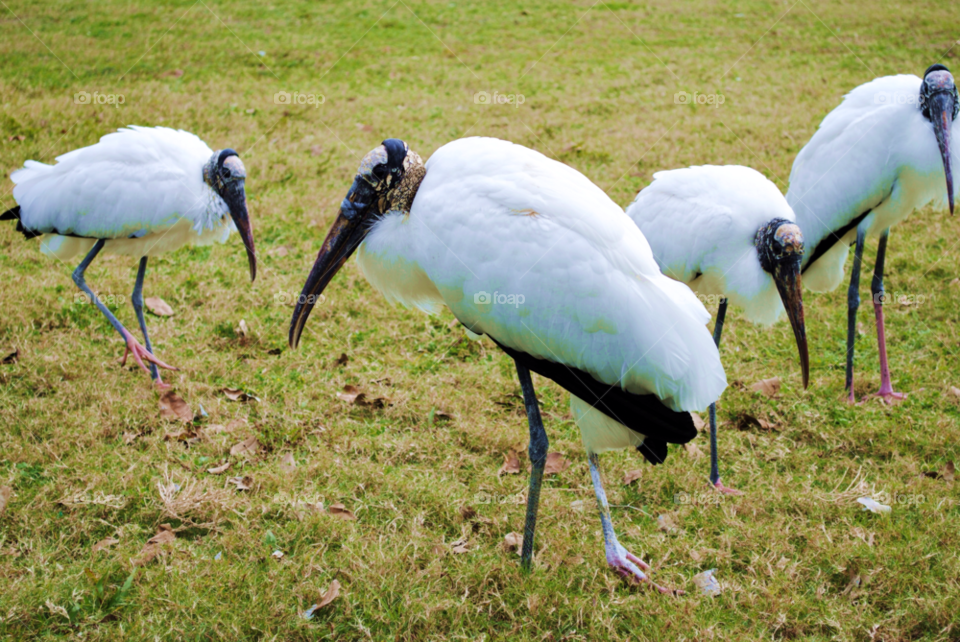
<point>884,152</point>
<point>139,192</point>
<point>727,232</point>
<point>532,254</point>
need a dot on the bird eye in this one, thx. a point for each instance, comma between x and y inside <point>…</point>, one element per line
<point>380,171</point>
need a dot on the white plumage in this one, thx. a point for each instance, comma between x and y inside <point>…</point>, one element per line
<point>702,223</point>
<point>141,188</point>
<point>875,151</point>
<point>494,217</point>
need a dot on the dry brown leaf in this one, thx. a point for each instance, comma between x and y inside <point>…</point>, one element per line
<point>351,394</point>
<point>13,357</point>
<point>154,545</point>
<point>339,510</point>
<point>158,306</point>
<point>556,463</point>
<point>342,360</point>
<point>460,546</point>
<point>632,476</point>
<point>249,445</point>
<point>693,450</point>
<point>467,513</point>
<point>768,387</point>
<point>130,437</point>
<point>332,592</point>
<point>242,330</point>
<point>183,435</point>
<point>698,423</point>
<point>287,463</point>
<point>280,251</point>
<point>174,408</point>
<point>17,137</point>
<point>747,421</point>
<point>947,473</point>
<point>576,560</point>
<point>173,73</point>
<point>513,542</point>
<point>667,523</point>
<point>242,483</point>
<point>511,464</point>
<point>235,394</point>
<point>218,470</point>
<point>105,544</point>
<point>5,493</point>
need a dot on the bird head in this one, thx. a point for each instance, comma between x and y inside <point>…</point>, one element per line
<point>225,173</point>
<point>939,104</point>
<point>779,245</point>
<point>387,180</point>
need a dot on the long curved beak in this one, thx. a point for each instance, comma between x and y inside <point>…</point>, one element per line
<point>236,200</point>
<point>344,237</point>
<point>787,277</point>
<point>941,114</point>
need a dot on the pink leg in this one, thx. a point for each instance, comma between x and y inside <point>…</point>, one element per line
<point>886,389</point>
<point>140,354</point>
<point>726,490</point>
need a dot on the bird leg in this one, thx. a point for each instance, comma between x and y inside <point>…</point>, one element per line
<point>623,561</point>
<point>714,466</point>
<point>876,288</point>
<point>139,352</point>
<point>137,300</point>
<point>853,302</point>
<point>538,460</point>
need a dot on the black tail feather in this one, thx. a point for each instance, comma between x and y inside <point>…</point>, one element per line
<point>644,414</point>
<point>13,214</point>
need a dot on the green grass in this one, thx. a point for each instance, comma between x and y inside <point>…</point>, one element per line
<point>598,82</point>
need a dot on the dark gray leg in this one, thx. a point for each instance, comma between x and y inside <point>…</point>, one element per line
<point>78,279</point>
<point>853,302</point>
<point>714,467</point>
<point>538,459</point>
<point>137,299</point>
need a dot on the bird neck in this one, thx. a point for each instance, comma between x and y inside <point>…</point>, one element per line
<point>401,198</point>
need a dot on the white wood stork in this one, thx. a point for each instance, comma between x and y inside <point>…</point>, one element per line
<point>884,152</point>
<point>139,192</point>
<point>597,316</point>
<point>727,232</point>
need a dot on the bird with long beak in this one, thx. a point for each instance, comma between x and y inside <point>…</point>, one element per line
<point>530,253</point>
<point>138,192</point>
<point>883,153</point>
<point>728,233</point>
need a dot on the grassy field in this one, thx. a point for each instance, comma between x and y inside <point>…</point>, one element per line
<point>87,456</point>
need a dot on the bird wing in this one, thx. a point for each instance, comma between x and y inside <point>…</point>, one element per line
<point>851,164</point>
<point>533,254</point>
<point>133,182</point>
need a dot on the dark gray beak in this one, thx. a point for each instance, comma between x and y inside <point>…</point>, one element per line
<point>346,234</point>
<point>941,115</point>
<point>787,277</point>
<point>235,197</point>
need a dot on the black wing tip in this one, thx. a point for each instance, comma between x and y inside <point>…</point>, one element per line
<point>13,214</point>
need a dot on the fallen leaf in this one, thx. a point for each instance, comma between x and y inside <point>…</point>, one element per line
<point>19,137</point>
<point>707,583</point>
<point>949,472</point>
<point>277,555</point>
<point>280,251</point>
<point>632,476</point>
<point>698,423</point>
<point>235,394</point>
<point>351,394</point>
<point>219,469</point>
<point>249,445</point>
<point>5,493</point>
<point>667,523</point>
<point>556,463</point>
<point>746,421</point>
<point>342,360</point>
<point>339,510</point>
<point>13,357</point>
<point>287,463</point>
<point>174,408</point>
<point>873,506</point>
<point>154,545</point>
<point>768,387</point>
<point>576,560</point>
<point>693,450</point>
<point>440,415</point>
<point>173,73</point>
<point>511,464</point>
<point>577,505</point>
<point>105,544</point>
<point>316,150</point>
<point>184,435</point>
<point>333,591</point>
<point>242,330</point>
<point>242,483</point>
<point>460,546</point>
<point>158,306</point>
<point>467,513</point>
<point>513,542</point>
<point>130,437</point>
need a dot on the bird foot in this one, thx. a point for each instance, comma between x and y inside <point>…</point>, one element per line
<point>726,490</point>
<point>141,354</point>
<point>629,566</point>
<point>161,385</point>
<point>890,397</point>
